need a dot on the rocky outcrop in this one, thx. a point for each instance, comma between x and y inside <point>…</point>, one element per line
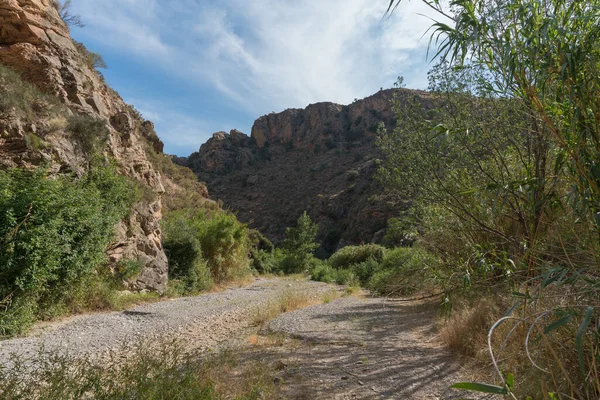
<point>36,43</point>
<point>321,159</point>
<point>221,153</point>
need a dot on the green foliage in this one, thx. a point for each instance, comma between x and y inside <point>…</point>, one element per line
<point>194,194</point>
<point>350,255</point>
<point>299,245</point>
<point>127,269</point>
<point>346,277</point>
<point>91,133</point>
<point>53,236</point>
<point>404,271</point>
<point>323,272</point>
<point>266,262</point>
<point>33,141</point>
<point>352,175</point>
<point>202,247</point>
<point>401,231</point>
<point>511,159</point>
<point>354,134</point>
<point>365,270</point>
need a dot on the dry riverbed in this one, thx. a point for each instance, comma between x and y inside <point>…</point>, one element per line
<point>340,347</point>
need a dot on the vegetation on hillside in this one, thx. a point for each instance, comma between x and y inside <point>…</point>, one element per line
<point>505,180</point>
<point>203,248</point>
<point>54,232</point>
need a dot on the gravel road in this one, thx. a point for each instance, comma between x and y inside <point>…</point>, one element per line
<point>203,321</point>
<point>351,348</point>
<point>364,348</point>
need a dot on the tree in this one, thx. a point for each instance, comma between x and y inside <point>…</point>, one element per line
<point>66,15</point>
<point>544,56</point>
<point>299,244</point>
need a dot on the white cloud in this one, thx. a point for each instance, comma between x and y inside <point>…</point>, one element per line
<point>256,56</point>
<point>271,54</point>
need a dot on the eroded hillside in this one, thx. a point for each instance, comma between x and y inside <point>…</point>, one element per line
<point>38,130</point>
<point>321,159</point>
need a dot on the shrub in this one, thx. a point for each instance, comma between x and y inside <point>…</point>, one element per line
<point>350,255</point>
<point>404,271</point>
<point>323,272</point>
<point>152,370</point>
<point>202,247</point>
<point>194,195</point>
<point>91,59</point>
<point>53,234</point>
<point>401,231</point>
<point>264,154</point>
<point>352,175</point>
<point>345,277</point>
<point>365,270</point>
<point>127,269</point>
<point>355,134</point>
<point>91,133</point>
<point>33,141</point>
<point>58,123</point>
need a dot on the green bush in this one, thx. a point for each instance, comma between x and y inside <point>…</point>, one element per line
<point>349,255</point>
<point>404,271</point>
<point>323,272</point>
<point>365,270</point>
<point>269,262</point>
<point>91,59</point>
<point>91,133</point>
<point>401,231</point>
<point>53,235</point>
<point>345,277</point>
<point>201,248</point>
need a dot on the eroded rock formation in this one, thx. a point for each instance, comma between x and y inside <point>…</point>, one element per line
<point>35,42</point>
<point>321,159</point>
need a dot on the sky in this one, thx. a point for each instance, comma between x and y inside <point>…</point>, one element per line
<point>195,67</point>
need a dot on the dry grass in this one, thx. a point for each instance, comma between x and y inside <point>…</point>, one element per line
<point>465,332</point>
<point>58,123</point>
<point>289,300</point>
<point>157,370</point>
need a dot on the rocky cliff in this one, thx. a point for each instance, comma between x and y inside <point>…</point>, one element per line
<point>35,42</point>
<point>321,159</point>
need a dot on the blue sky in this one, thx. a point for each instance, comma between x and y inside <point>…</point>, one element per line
<point>195,67</point>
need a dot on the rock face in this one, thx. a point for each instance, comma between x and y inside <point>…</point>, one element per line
<point>321,159</point>
<point>36,43</point>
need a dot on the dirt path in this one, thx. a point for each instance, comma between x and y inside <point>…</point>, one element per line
<point>362,348</point>
<point>202,322</point>
<point>351,348</point>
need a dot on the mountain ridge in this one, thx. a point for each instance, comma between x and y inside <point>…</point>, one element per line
<point>321,159</point>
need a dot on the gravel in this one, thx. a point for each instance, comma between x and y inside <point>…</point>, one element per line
<point>204,321</point>
<point>366,348</point>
